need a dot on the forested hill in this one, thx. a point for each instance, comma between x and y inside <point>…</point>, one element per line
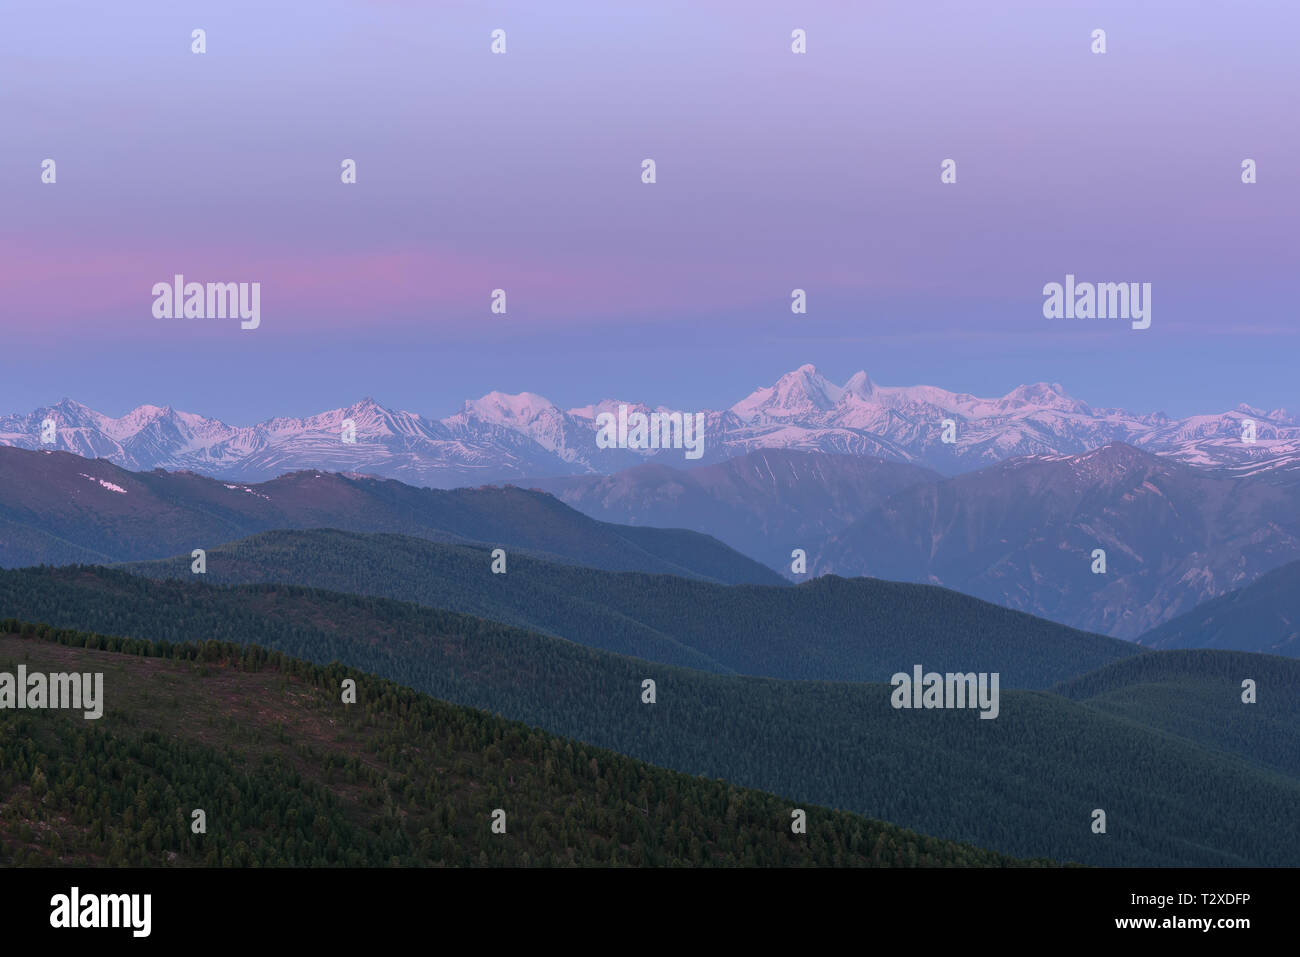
<point>285,773</point>
<point>1024,784</point>
<point>829,629</point>
<point>1198,695</point>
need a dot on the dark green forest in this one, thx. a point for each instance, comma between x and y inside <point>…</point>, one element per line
<point>1197,695</point>
<point>828,629</point>
<point>289,775</point>
<point>1024,784</point>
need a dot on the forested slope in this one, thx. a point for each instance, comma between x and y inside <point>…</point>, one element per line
<point>286,774</point>
<point>1023,784</point>
<point>831,629</point>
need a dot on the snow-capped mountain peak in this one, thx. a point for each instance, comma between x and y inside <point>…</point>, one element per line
<point>860,385</point>
<point>506,436</point>
<point>796,394</point>
<point>513,411</point>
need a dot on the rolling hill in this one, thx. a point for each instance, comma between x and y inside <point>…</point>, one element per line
<point>1024,784</point>
<point>827,629</point>
<point>1197,695</point>
<point>288,775</point>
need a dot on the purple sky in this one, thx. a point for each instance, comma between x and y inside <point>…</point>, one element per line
<point>522,171</point>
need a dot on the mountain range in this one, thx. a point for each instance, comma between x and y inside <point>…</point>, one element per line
<point>58,508</point>
<point>1019,533</point>
<point>1023,534</point>
<point>1263,616</point>
<point>764,503</point>
<point>504,437</point>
